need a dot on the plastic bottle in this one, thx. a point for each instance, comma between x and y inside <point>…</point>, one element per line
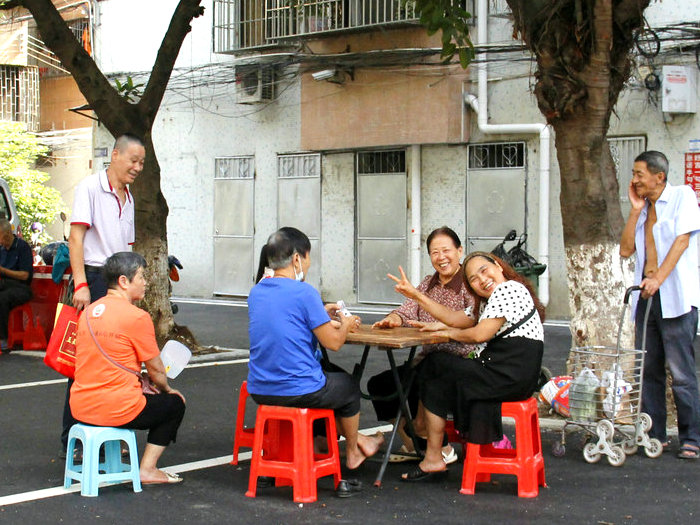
<point>582,396</point>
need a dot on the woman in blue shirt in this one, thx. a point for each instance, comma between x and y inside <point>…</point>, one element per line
<point>286,321</point>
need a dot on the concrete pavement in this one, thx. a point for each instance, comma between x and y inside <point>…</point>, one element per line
<point>643,490</point>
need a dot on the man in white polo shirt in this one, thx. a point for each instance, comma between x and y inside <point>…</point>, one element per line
<point>102,224</point>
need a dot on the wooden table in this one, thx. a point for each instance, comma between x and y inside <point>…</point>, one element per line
<point>389,339</point>
<point>402,337</point>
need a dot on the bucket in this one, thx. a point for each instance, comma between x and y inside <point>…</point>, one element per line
<point>175,357</point>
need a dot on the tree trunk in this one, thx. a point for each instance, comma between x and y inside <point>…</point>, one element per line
<point>119,117</point>
<point>151,241</point>
<point>592,223</point>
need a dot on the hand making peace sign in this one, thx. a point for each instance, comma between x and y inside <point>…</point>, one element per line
<point>403,285</point>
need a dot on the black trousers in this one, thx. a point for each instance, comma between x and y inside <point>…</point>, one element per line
<point>12,293</point>
<point>161,416</point>
<point>98,289</point>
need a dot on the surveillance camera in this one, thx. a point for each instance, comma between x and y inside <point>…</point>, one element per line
<point>324,74</point>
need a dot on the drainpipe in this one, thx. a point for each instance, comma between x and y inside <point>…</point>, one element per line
<point>415,213</point>
<point>480,106</point>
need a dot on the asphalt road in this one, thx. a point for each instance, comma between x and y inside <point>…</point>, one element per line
<point>643,490</point>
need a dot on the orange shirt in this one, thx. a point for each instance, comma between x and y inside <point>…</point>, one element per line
<point>104,394</point>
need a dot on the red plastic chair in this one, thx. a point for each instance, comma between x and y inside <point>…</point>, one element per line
<point>294,463</point>
<point>23,328</point>
<point>524,461</point>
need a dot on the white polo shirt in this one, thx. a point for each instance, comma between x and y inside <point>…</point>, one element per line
<point>677,213</point>
<point>110,223</point>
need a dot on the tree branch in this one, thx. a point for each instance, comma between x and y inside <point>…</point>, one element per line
<point>629,11</point>
<point>179,27</point>
<point>115,113</point>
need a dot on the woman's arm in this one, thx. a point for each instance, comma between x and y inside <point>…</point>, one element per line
<point>455,318</point>
<point>481,333</point>
<point>331,337</point>
<point>156,371</point>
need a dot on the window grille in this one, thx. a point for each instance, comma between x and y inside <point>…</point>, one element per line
<point>624,150</point>
<point>234,168</point>
<point>379,162</point>
<point>505,155</point>
<point>241,24</point>
<point>299,166</point>
<point>19,95</point>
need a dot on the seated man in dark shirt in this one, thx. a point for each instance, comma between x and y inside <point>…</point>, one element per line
<point>16,271</point>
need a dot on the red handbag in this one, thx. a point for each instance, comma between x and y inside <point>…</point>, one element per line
<point>60,352</point>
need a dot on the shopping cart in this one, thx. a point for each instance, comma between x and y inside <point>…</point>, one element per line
<point>604,399</point>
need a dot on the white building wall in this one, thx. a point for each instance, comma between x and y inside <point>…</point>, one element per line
<point>199,122</point>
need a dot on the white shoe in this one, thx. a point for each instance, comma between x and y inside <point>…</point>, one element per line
<point>450,457</point>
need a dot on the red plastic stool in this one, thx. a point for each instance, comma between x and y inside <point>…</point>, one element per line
<point>452,435</point>
<point>29,334</point>
<point>525,461</point>
<point>244,437</point>
<point>294,463</point>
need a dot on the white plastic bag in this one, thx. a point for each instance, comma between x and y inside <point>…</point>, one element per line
<point>616,387</point>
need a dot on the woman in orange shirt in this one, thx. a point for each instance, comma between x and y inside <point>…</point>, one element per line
<point>104,393</point>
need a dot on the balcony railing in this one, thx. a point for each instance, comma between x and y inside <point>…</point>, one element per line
<point>242,24</point>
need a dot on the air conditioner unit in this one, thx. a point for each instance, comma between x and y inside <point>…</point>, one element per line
<point>255,84</point>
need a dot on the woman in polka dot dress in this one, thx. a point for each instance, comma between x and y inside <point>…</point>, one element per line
<point>505,367</point>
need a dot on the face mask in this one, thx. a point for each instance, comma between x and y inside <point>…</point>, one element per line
<point>298,276</point>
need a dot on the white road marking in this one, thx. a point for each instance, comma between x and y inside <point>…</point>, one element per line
<point>57,381</point>
<point>35,495</point>
<point>33,383</point>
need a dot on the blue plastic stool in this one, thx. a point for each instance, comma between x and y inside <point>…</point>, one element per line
<point>92,472</point>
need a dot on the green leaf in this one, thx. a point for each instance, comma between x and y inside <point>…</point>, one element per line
<point>35,201</point>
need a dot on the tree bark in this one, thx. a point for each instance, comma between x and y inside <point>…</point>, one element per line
<point>120,116</point>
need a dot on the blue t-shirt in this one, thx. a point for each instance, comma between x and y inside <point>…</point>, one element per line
<point>284,360</point>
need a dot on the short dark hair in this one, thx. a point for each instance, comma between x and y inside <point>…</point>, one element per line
<point>125,139</point>
<point>281,247</point>
<point>122,263</point>
<point>443,230</point>
<point>655,160</point>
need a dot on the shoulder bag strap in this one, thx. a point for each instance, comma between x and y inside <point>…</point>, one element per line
<point>119,365</point>
<point>518,324</point>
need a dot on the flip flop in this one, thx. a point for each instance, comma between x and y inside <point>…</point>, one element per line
<point>418,474</point>
<point>170,478</point>
<point>347,488</point>
<point>688,452</point>
<point>451,457</point>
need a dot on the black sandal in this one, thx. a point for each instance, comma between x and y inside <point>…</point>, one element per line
<point>688,452</point>
<point>418,474</point>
